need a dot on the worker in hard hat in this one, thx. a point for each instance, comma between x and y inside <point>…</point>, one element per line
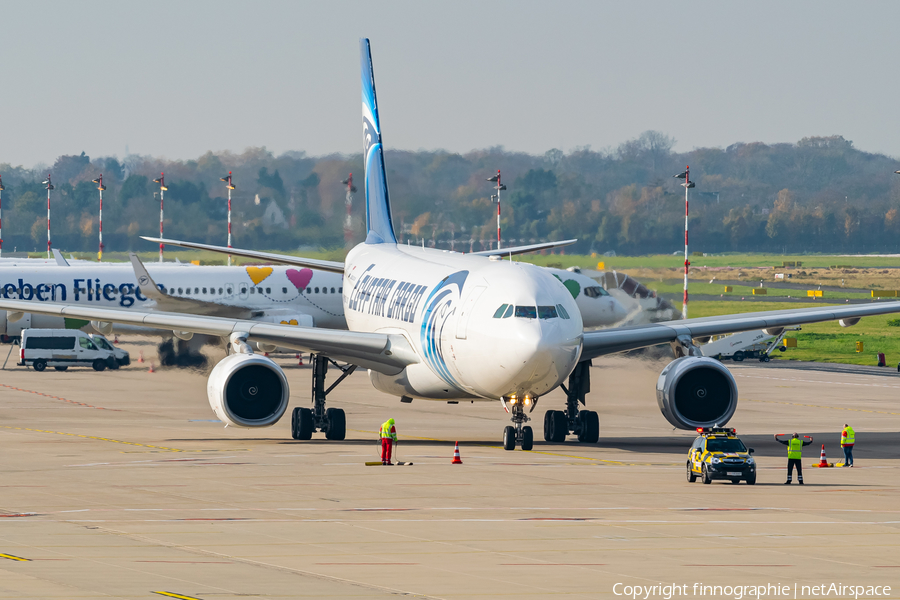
<point>848,438</point>
<point>795,445</point>
<point>388,439</point>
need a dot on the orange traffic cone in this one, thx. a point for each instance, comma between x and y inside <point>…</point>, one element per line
<point>823,462</point>
<point>116,340</point>
<point>151,370</point>
<point>141,357</point>
<point>456,459</point>
<point>300,360</point>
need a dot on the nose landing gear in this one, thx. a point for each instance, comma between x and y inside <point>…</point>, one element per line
<point>518,432</point>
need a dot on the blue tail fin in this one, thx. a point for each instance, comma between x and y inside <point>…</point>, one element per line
<point>378,204</point>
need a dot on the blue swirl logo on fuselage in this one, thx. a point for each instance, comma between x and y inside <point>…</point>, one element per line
<point>439,305</point>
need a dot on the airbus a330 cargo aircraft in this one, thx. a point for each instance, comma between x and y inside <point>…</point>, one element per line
<point>437,325</point>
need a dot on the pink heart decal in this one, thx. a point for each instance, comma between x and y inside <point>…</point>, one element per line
<point>300,278</point>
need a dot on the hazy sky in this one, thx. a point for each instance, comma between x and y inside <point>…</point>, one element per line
<point>176,79</point>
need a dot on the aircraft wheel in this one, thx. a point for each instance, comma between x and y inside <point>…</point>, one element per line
<point>302,424</point>
<point>548,426</point>
<point>337,424</point>
<point>509,438</point>
<point>559,427</point>
<point>527,438</point>
<point>590,427</point>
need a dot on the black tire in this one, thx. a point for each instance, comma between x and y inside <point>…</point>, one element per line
<point>99,365</point>
<point>60,368</point>
<point>527,438</point>
<point>125,361</point>
<point>704,475</point>
<point>548,424</point>
<point>113,364</point>
<point>735,481</point>
<point>509,438</point>
<point>559,427</point>
<point>337,424</point>
<point>782,348</point>
<point>751,480</point>
<point>690,474</point>
<point>39,365</point>
<point>766,358</point>
<point>305,424</point>
<point>738,356</point>
<point>590,427</point>
<point>295,424</point>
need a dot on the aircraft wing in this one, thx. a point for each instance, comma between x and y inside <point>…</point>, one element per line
<point>525,249</point>
<point>385,353</point>
<point>167,303</point>
<point>284,259</point>
<point>620,339</point>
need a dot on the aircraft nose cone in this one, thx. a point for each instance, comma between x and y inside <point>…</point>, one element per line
<point>547,354</point>
<point>619,311</point>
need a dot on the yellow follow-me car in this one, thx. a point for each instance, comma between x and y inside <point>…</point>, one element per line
<point>718,453</point>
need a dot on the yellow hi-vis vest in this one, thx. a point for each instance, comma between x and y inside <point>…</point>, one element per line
<point>386,431</point>
<point>795,448</point>
<point>850,439</point>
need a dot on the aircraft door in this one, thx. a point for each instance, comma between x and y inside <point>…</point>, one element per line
<point>462,323</point>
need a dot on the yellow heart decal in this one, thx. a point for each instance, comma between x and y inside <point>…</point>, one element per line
<point>291,322</point>
<point>257,274</point>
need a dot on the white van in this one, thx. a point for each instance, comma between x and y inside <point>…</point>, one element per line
<point>122,357</point>
<point>61,349</point>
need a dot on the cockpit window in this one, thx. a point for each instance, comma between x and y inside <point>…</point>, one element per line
<point>499,312</point>
<point>526,312</point>
<point>595,291</point>
<point>547,312</point>
<point>562,311</point>
<point>509,311</point>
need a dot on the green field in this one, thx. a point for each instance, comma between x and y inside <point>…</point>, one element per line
<point>718,289</point>
<point>822,342</point>
<point>659,261</point>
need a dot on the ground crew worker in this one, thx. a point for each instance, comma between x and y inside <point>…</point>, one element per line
<point>848,438</point>
<point>795,445</point>
<point>388,439</point>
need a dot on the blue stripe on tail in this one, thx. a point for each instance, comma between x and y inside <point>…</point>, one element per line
<point>378,204</point>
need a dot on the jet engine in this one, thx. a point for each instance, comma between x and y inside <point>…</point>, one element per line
<point>696,392</point>
<point>248,390</point>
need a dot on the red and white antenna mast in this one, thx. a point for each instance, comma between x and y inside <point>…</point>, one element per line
<point>688,184</point>
<point>162,188</point>
<point>49,185</point>
<point>499,187</point>
<point>348,202</point>
<point>230,187</point>
<point>101,187</point>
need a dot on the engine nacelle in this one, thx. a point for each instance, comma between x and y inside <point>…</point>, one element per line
<point>248,390</point>
<point>696,392</point>
<point>849,322</point>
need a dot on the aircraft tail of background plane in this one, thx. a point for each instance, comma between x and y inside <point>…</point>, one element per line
<point>379,228</point>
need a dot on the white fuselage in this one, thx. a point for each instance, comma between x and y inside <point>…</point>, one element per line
<point>597,307</point>
<point>281,291</point>
<point>447,306</point>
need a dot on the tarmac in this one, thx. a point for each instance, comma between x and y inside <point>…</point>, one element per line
<point>123,485</point>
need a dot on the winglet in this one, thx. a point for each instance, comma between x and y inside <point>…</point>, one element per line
<point>378,204</point>
<point>60,260</point>
<point>145,282</point>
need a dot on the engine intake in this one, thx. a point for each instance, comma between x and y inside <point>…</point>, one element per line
<point>248,390</point>
<point>696,392</point>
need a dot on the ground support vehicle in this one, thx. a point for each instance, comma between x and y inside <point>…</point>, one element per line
<point>747,344</point>
<point>123,359</point>
<point>61,349</point>
<point>718,453</point>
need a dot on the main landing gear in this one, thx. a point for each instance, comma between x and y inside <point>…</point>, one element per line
<point>583,423</point>
<point>332,421</point>
<point>518,432</point>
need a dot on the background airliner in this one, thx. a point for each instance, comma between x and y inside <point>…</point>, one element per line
<point>438,325</point>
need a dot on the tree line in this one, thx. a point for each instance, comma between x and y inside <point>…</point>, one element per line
<point>817,195</point>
